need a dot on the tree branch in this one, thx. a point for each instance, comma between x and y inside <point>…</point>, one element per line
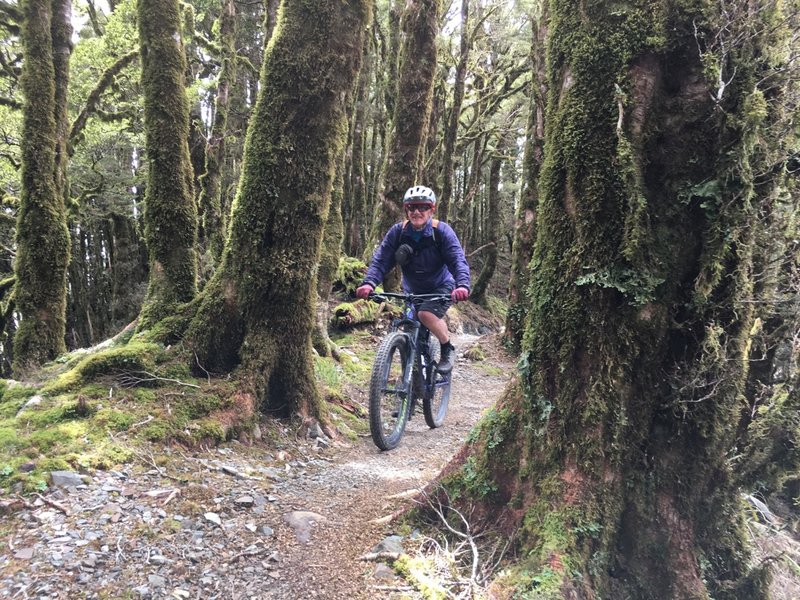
<point>10,102</point>
<point>92,102</point>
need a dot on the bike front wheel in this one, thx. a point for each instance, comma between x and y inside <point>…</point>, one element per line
<point>389,396</point>
<point>437,392</point>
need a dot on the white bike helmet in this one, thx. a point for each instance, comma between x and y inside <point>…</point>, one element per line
<point>419,194</point>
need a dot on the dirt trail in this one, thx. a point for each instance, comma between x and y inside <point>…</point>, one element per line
<point>364,484</point>
<point>253,522</point>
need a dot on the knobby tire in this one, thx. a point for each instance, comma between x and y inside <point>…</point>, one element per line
<point>437,396</point>
<point>388,400</point>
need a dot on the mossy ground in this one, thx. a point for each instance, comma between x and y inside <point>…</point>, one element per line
<point>90,410</point>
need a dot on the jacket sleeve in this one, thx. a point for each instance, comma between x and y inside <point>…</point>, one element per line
<point>383,259</point>
<point>453,255</point>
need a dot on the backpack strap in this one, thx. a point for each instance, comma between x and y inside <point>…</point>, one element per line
<point>437,239</point>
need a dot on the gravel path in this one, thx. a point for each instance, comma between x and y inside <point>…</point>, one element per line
<point>285,522</point>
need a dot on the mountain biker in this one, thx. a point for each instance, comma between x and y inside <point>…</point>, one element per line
<point>432,261</point>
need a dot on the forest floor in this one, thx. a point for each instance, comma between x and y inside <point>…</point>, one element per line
<point>284,518</point>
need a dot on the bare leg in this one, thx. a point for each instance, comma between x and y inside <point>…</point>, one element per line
<point>437,326</point>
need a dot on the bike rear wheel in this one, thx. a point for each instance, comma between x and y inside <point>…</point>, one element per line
<point>388,392</point>
<point>437,391</point>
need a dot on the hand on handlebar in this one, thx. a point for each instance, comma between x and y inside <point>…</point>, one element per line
<point>364,291</point>
<point>459,294</point>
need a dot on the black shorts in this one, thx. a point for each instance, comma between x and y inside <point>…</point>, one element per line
<point>437,307</point>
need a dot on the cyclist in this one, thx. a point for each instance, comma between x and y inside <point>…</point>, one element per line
<point>432,261</point>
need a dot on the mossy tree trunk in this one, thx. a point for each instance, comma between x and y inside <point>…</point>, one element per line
<point>412,110</point>
<point>43,245</point>
<point>451,130</point>
<point>356,199</point>
<point>491,227</point>
<point>212,229</point>
<point>332,237</point>
<point>170,213</point>
<point>610,460</point>
<point>258,310</point>
<point>525,224</point>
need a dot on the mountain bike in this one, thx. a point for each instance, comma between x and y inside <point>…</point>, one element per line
<point>404,373</point>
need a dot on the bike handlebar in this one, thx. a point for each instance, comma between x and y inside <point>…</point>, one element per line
<point>410,298</point>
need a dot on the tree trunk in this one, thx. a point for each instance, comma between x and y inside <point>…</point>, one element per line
<point>211,182</point>
<point>525,226</point>
<point>610,460</point>
<point>128,256</point>
<point>491,226</point>
<point>412,111</point>
<point>271,17</point>
<point>455,114</point>
<point>170,213</point>
<point>328,264</point>
<point>357,198</point>
<point>259,308</point>
<point>43,245</point>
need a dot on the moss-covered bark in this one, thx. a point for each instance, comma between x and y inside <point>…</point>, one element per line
<point>525,224</point>
<point>170,214</point>
<point>355,202</point>
<point>42,236</point>
<point>332,237</point>
<point>213,232</point>
<point>491,226</point>
<point>412,109</point>
<point>451,129</point>
<point>611,460</point>
<point>259,308</point>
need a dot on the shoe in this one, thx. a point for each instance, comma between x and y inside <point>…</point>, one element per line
<point>448,358</point>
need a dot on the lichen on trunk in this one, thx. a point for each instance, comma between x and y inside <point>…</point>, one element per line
<point>258,310</point>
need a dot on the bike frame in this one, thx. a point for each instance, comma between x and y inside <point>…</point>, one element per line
<point>418,337</point>
<point>415,332</point>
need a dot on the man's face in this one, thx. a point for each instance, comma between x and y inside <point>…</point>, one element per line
<point>418,214</point>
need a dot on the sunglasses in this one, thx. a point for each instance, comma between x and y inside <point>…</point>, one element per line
<point>421,208</point>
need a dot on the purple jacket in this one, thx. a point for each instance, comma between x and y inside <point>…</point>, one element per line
<point>438,259</point>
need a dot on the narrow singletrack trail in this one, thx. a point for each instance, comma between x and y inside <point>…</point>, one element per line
<point>363,485</point>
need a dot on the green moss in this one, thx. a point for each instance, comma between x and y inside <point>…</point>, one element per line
<point>13,398</point>
<point>59,438</point>
<point>114,419</point>
<point>10,407</point>
<point>327,372</point>
<point>48,464</point>
<point>105,455</point>
<point>195,406</point>
<point>94,391</point>
<point>66,410</point>
<point>143,396</point>
<point>350,273</point>
<point>206,430</point>
<point>8,438</point>
<point>476,353</point>
<point>540,584</point>
<point>420,572</point>
<point>158,430</point>
<point>178,371</point>
<point>350,314</point>
<point>131,358</point>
